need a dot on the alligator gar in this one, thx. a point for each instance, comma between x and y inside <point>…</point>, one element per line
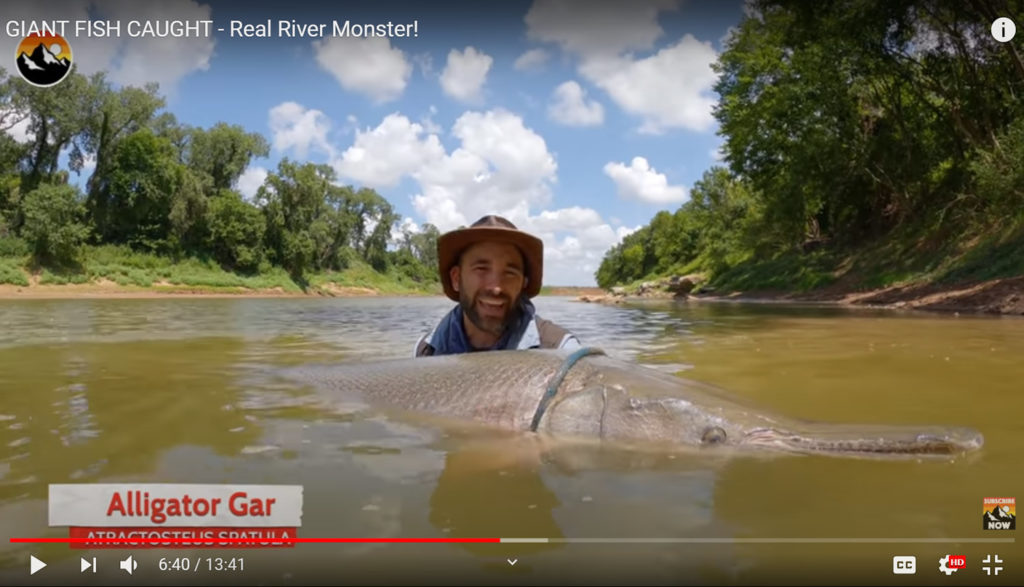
<point>595,396</point>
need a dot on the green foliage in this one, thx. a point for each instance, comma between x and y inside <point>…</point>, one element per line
<point>312,223</point>
<point>855,126</point>
<point>132,203</point>
<point>12,246</point>
<point>236,230</point>
<point>222,153</point>
<point>999,169</point>
<point>11,272</point>
<point>160,208</point>
<point>53,224</point>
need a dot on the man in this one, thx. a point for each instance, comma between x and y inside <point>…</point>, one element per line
<point>491,269</point>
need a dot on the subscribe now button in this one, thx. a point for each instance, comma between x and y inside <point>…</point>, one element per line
<point>904,565</point>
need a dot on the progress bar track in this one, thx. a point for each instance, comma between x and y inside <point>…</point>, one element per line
<point>758,540</point>
<point>192,542</point>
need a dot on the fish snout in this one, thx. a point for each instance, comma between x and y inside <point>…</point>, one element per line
<point>867,440</point>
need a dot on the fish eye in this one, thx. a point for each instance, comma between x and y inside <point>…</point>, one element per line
<point>713,435</point>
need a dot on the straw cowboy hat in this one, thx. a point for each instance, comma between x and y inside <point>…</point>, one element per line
<point>490,228</point>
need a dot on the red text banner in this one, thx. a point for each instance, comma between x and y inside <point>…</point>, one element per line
<point>181,537</point>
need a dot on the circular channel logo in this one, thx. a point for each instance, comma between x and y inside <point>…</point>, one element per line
<point>43,60</point>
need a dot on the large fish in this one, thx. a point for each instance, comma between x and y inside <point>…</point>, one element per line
<point>587,394</point>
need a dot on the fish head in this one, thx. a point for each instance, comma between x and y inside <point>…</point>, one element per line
<point>667,420</point>
<point>640,404</point>
<point>714,427</point>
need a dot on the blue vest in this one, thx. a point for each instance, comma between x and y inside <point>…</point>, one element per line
<point>529,331</point>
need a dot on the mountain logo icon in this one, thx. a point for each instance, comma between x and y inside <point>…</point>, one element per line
<point>43,60</point>
<point>999,513</point>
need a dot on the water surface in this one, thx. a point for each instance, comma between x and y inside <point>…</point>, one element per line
<point>184,391</point>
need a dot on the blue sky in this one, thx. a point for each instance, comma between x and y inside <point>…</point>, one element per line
<point>576,120</point>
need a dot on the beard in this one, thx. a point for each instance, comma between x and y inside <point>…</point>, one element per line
<point>489,324</point>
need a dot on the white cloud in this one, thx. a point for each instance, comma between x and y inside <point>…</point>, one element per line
<point>250,181</point>
<point>575,241</point>
<point>406,225</point>
<point>570,106</point>
<point>128,60</point>
<point>642,182</point>
<point>380,157</point>
<point>16,125</point>
<point>499,166</point>
<point>428,122</point>
<point>161,59</point>
<point>599,28</point>
<point>531,60</point>
<point>502,167</point>
<point>671,89</point>
<point>88,163</point>
<point>370,65</point>
<point>425,61</point>
<point>465,73</point>
<point>293,126</point>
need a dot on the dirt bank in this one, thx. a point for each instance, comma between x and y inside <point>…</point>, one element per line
<point>113,290</point>
<point>109,289</point>
<point>996,296</point>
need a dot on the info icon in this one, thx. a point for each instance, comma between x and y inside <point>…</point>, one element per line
<point>1003,29</point>
<point>43,59</point>
<point>904,565</point>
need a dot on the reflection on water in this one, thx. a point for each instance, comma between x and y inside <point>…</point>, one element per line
<point>184,390</point>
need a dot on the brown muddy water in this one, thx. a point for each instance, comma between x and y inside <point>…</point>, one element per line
<point>184,391</point>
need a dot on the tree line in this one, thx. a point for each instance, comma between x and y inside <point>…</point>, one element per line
<point>845,123</point>
<point>160,186</point>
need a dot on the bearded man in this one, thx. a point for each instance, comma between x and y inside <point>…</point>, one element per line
<point>492,269</point>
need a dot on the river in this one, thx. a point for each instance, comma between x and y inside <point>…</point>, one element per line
<point>183,390</point>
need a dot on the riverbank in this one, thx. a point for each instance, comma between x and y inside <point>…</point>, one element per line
<point>1003,296</point>
<point>119,272</point>
<point>994,296</point>
<point>113,272</point>
<point>105,288</point>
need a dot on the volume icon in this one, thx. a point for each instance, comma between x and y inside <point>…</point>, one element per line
<point>129,565</point>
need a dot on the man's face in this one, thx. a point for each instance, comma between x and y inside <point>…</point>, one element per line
<point>490,277</point>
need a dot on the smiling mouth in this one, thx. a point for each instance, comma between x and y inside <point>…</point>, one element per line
<point>492,307</point>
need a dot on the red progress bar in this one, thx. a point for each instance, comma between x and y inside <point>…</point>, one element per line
<point>243,540</point>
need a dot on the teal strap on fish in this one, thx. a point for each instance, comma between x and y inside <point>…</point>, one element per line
<point>556,381</point>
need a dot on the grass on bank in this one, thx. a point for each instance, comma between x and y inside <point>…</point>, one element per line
<point>962,254</point>
<point>145,270</point>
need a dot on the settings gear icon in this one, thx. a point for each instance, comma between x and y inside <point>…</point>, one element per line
<point>944,566</point>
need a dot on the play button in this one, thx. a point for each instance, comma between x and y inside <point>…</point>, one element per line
<point>35,565</point>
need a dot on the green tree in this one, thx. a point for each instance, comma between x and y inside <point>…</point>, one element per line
<point>140,186</point>
<point>53,224</point>
<point>113,115</point>
<point>293,199</point>
<point>236,230</point>
<point>56,116</point>
<point>222,153</point>
<point>423,245</point>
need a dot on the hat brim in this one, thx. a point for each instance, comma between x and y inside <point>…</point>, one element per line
<point>450,246</point>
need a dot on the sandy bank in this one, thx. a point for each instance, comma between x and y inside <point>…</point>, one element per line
<point>996,296</point>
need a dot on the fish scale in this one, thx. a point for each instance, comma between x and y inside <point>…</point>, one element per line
<point>503,391</point>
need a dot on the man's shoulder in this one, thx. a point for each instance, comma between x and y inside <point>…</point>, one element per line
<point>423,348</point>
<point>554,336</point>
